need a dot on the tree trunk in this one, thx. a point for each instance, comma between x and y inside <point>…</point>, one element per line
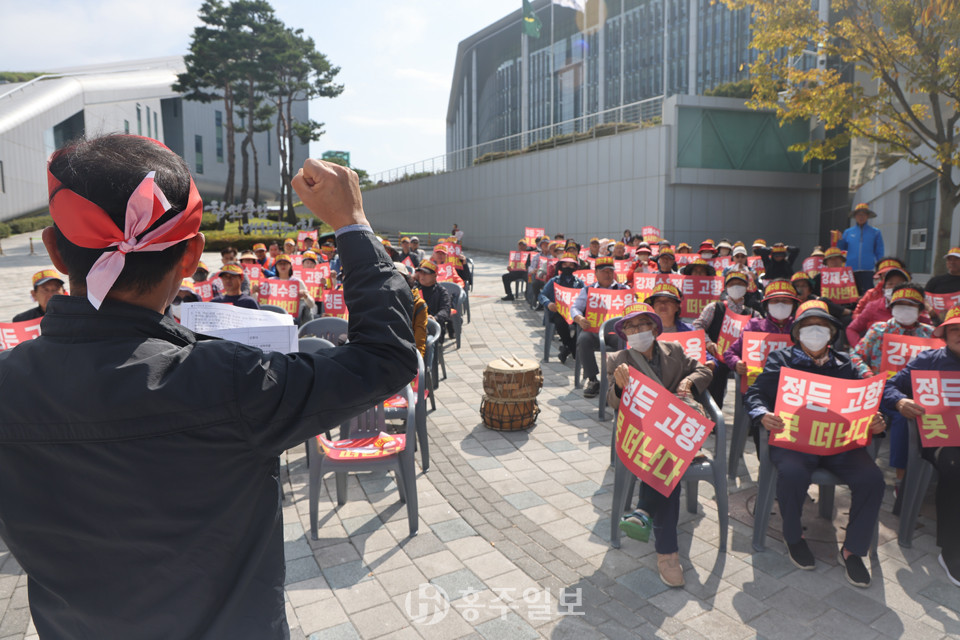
<point>947,203</point>
<point>231,147</point>
<point>291,214</point>
<point>245,175</point>
<point>256,174</point>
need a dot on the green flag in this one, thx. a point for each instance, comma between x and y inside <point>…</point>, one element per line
<point>531,23</point>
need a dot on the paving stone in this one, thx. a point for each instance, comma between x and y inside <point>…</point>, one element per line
<point>509,627</point>
<point>346,575</point>
<point>458,584</point>
<point>345,631</point>
<point>301,569</point>
<point>453,530</point>
<point>585,489</point>
<point>524,500</point>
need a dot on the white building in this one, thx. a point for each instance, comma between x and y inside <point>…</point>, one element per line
<point>39,116</point>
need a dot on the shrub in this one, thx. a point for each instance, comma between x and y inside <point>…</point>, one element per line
<point>4,230</point>
<point>25,225</point>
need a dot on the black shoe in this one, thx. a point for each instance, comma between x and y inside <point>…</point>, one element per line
<point>508,298</point>
<point>591,389</point>
<point>563,354</point>
<point>801,556</point>
<point>857,573</point>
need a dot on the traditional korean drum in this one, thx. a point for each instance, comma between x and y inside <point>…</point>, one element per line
<point>510,388</point>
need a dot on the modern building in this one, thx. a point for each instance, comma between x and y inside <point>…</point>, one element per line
<point>40,116</point>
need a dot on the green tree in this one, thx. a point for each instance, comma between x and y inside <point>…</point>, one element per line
<point>904,93</point>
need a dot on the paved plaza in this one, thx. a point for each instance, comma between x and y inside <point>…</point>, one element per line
<point>514,529</point>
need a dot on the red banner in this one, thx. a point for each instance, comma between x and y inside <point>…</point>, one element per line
<point>938,392</point>
<point>282,293</point>
<point>622,269</point>
<point>941,302</point>
<point>812,264</point>
<point>720,263</point>
<point>651,235</point>
<point>837,284</point>
<point>587,275</point>
<point>899,350</point>
<point>564,298</point>
<point>314,278</point>
<point>824,415</point>
<point>643,283</point>
<point>657,434</point>
<point>452,248</point>
<point>730,330</point>
<point>532,235</point>
<point>13,333</point>
<point>699,292</point>
<point>694,343</point>
<point>303,235</point>
<point>204,289</point>
<point>446,272</point>
<point>603,304</point>
<point>757,345</point>
<point>253,272</point>
<point>517,261</point>
<point>333,305</point>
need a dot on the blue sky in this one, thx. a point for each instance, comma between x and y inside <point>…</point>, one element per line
<point>396,58</point>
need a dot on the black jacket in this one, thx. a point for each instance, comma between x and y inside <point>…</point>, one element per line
<point>438,302</point>
<point>139,465</point>
<point>29,314</point>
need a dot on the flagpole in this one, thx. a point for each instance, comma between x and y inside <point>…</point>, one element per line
<point>553,96</point>
<point>623,19</point>
<point>524,89</point>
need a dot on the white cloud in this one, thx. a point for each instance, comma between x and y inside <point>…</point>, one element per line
<point>436,79</point>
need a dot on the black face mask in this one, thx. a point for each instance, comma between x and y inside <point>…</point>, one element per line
<point>567,272</point>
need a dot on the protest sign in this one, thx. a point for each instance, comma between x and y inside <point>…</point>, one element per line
<point>314,278</point>
<point>281,293</point>
<point>685,258</point>
<point>755,263</point>
<point>532,235</point>
<point>756,346</point>
<point>204,289</point>
<point>13,333</point>
<point>517,261</point>
<point>303,235</point>
<point>334,306</point>
<point>622,269</point>
<point>720,263</point>
<point>730,330</point>
<point>658,436</point>
<point>824,415</point>
<point>698,292</point>
<point>564,298</point>
<point>587,275</point>
<point>603,304</point>
<point>643,283</point>
<point>899,350</point>
<point>837,284</point>
<point>651,235</point>
<point>942,302</point>
<point>409,263</point>
<point>446,272</point>
<point>938,392</point>
<point>693,342</point>
<point>812,264</point>
<point>253,272</point>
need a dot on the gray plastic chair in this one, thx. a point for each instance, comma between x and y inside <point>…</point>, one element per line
<point>767,491</point>
<point>741,430</point>
<point>915,484</point>
<point>470,271</point>
<point>605,330</point>
<point>713,471</point>
<point>457,295</point>
<point>420,414</point>
<point>368,424</point>
<point>333,329</point>
<point>435,354</point>
<point>274,308</point>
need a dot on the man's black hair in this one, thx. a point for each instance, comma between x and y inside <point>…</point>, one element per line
<point>105,171</point>
<point>227,250</point>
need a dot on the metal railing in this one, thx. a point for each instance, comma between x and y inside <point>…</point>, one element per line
<point>608,122</point>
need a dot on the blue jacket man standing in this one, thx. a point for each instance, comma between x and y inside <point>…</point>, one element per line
<point>864,246</point>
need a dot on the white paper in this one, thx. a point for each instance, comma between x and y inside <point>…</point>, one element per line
<point>204,317</point>
<point>279,339</point>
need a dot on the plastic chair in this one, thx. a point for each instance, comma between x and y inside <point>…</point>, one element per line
<point>368,424</point>
<point>713,471</point>
<point>741,430</point>
<point>399,405</point>
<point>313,345</point>
<point>333,329</point>
<point>306,313</point>
<point>466,304</point>
<point>605,330</point>
<point>548,332</point>
<point>915,484</point>
<point>274,308</point>
<point>435,354</point>
<point>767,491</point>
<point>519,285</point>
<point>456,312</point>
<point>469,263</point>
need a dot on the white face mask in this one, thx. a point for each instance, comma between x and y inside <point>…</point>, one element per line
<point>641,341</point>
<point>887,293</point>
<point>736,292</point>
<point>780,310</point>
<point>706,255</point>
<point>905,314</point>
<point>815,338</point>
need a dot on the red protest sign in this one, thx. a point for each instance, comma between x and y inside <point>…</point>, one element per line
<point>899,350</point>
<point>446,272</point>
<point>812,264</point>
<point>757,345</point>
<point>204,289</point>
<point>720,263</point>
<point>651,234</point>
<point>281,293</point>
<point>755,263</point>
<point>303,235</point>
<point>334,306</point>
<point>13,333</point>
<point>452,248</point>
<point>314,278</point>
<point>938,392</point>
<point>837,284</point>
<point>657,434</point>
<point>694,343</point>
<point>824,415</point>
<point>698,292</point>
<point>730,330</point>
<point>253,272</point>
<point>643,283</point>
<point>532,234</point>
<point>603,304</point>
<point>588,276</point>
<point>686,258</point>
<point>517,261</point>
<point>564,298</point>
<point>408,262</point>
<point>622,269</point>
<point>942,302</point>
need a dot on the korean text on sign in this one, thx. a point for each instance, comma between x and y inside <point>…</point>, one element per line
<point>13,333</point>
<point>517,261</point>
<point>940,302</point>
<point>564,298</point>
<point>446,272</point>
<point>812,264</point>
<point>204,290</point>
<point>531,234</point>
<point>757,345</point>
<point>730,329</point>
<point>333,305</point>
<point>253,272</point>
<point>314,278</point>
<point>603,304</point>
<point>282,293</point>
<point>651,234</point>
<point>824,415</point>
<point>698,292</point>
<point>588,276</point>
<point>899,350</point>
<point>657,435</point>
<point>837,284</point>
<point>303,235</point>
<point>643,283</point>
<point>938,392</point>
<point>694,343</point>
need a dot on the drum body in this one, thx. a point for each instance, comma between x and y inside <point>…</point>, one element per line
<point>510,389</point>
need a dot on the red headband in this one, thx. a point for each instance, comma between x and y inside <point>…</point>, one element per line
<point>87,225</point>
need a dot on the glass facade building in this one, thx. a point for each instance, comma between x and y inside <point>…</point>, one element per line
<point>616,53</point>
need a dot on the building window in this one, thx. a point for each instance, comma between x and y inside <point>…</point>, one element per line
<point>198,148</point>
<point>922,214</point>
<point>156,126</point>
<point>219,119</point>
<point>126,126</point>
<point>149,130</point>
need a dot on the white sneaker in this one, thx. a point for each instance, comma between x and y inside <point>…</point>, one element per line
<point>950,576</point>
